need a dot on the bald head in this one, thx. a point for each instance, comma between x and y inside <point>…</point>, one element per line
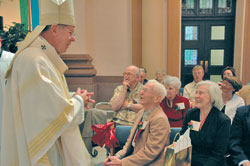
<point>131,74</point>
<point>133,69</point>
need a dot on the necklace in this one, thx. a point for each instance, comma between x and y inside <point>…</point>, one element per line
<point>169,104</point>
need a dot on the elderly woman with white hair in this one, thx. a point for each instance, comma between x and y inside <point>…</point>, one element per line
<point>210,128</point>
<point>173,105</point>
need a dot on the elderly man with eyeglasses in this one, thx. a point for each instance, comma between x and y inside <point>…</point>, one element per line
<point>124,104</point>
<point>150,133</point>
<point>126,96</point>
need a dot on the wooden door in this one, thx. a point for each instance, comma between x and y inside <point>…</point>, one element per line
<point>207,39</point>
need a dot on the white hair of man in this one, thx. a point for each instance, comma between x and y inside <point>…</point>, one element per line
<point>173,81</point>
<point>214,92</point>
<point>137,69</point>
<point>159,89</point>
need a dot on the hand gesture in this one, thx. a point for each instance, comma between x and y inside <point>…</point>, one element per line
<point>112,161</point>
<point>86,96</point>
<point>246,164</point>
<point>125,105</point>
<point>125,84</point>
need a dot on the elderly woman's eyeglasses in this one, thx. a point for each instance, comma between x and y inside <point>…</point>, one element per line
<point>226,84</point>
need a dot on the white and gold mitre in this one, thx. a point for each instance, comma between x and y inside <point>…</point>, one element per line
<point>56,12</point>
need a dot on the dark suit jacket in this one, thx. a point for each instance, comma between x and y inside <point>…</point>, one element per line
<point>149,147</point>
<point>209,145</point>
<point>239,143</point>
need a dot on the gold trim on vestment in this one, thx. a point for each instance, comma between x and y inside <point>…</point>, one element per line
<point>45,160</point>
<point>47,134</point>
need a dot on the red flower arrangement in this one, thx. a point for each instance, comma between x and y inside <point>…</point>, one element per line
<point>105,134</point>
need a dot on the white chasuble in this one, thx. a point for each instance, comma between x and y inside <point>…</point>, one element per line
<point>5,60</point>
<point>40,121</point>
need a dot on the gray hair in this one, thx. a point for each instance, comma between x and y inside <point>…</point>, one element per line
<point>143,69</point>
<point>138,72</point>
<point>214,92</point>
<point>174,81</point>
<point>159,89</point>
<point>160,71</point>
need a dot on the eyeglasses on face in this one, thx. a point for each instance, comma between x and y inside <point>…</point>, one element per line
<point>127,73</point>
<point>146,90</point>
<point>197,72</point>
<point>226,84</point>
<point>71,33</point>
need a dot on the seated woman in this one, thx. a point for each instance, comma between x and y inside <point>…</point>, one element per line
<point>229,86</point>
<point>174,106</point>
<point>210,128</point>
<point>228,71</point>
<point>159,76</point>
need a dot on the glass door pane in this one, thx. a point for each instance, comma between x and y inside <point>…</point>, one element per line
<point>224,6</point>
<point>218,32</point>
<point>217,57</point>
<point>190,56</point>
<point>215,78</point>
<point>206,7</point>
<point>188,7</point>
<point>191,33</point>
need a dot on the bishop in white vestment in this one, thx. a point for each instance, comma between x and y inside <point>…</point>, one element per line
<point>40,119</point>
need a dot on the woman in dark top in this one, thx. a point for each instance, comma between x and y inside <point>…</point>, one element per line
<point>210,128</point>
<point>174,106</point>
<point>228,71</point>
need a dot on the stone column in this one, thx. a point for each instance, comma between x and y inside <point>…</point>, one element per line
<point>81,72</point>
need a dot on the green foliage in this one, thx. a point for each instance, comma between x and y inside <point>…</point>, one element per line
<point>12,35</point>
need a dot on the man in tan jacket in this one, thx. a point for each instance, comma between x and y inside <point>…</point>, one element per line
<point>150,133</point>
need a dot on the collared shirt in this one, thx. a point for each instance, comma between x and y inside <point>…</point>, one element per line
<point>189,91</point>
<point>126,116</point>
<point>232,105</point>
<point>145,116</point>
<point>147,113</point>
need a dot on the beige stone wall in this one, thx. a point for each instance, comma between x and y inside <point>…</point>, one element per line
<point>109,35</point>
<point>79,46</point>
<point>152,36</point>
<point>104,31</point>
<point>239,36</point>
<point>10,10</point>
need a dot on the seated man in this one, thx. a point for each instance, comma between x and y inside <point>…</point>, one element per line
<point>143,75</point>
<point>123,103</point>
<point>239,143</point>
<point>150,133</point>
<point>189,89</point>
<point>126,96</point>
